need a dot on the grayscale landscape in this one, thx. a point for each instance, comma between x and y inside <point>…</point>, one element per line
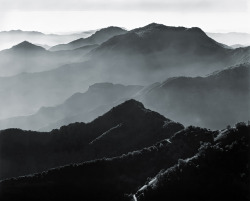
<point>128,110</point>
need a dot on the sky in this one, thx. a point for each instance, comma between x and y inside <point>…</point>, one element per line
<point>61,16</point>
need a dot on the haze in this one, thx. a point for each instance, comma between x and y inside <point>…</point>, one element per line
<point>51,16</point>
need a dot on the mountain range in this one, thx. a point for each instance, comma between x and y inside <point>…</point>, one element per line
<point>193,163</point>
<point>213,101</point>
<point>139,57</point>
<point>127,127</point>
<point>97,100</point>
<point>96,117</point>
<point>13,37</point>
<point>97,38</point>
<point>27,57</point>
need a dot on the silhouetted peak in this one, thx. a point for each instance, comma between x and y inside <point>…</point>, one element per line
<point>130,104</point>
<point>18,31</point>
<point>110,29</point>
<point>195,30</point>
<point>154,27</point>
<point>25,45</point>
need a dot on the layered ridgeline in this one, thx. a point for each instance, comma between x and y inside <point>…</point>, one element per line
<point>157,50</point>
<point>80,107</point>
<point>139,57</point>
<point>193,164</point>
<point>97,38</point>
<point>27,57</point>
<point>213,101</point>
<point>125,128</point>
<point>10,38</point>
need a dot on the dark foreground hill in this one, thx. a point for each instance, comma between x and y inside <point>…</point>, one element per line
<point>125,128</point>
<point>107,179</point>
<point>209,166</point>
<point>219,171</point>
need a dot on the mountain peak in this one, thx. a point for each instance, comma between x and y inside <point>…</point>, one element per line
<point>108,32</point>
<point>111,28</point>
<point>130,106</point>
<point>155,27</point>
<point>25,45</point>
<point>196,30</point>
<point>133,102</point>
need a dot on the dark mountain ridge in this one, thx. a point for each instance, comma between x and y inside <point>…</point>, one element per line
<point>125,170</point>
<point>200,156</point>
<point>219,171</point>
<point>125,128</point>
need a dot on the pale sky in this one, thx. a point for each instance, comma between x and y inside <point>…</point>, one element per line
<point>54,16</point>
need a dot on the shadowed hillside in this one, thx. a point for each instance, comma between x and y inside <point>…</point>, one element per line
<point>208,165</point>
<point>219,171</point>
<point>125,128</point>
<point>107,179</point>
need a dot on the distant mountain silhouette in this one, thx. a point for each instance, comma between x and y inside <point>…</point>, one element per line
<point>97,38</point>
<point>26,46</point>
<point>231,38</point>
<point>10,38</point>
<point>89,105</point>
<point>193,164</point>
<point>127,59</point>
<point>150,53</point>
<point>27,57</point>
<point>215,101</point>
<point>125,128</point>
